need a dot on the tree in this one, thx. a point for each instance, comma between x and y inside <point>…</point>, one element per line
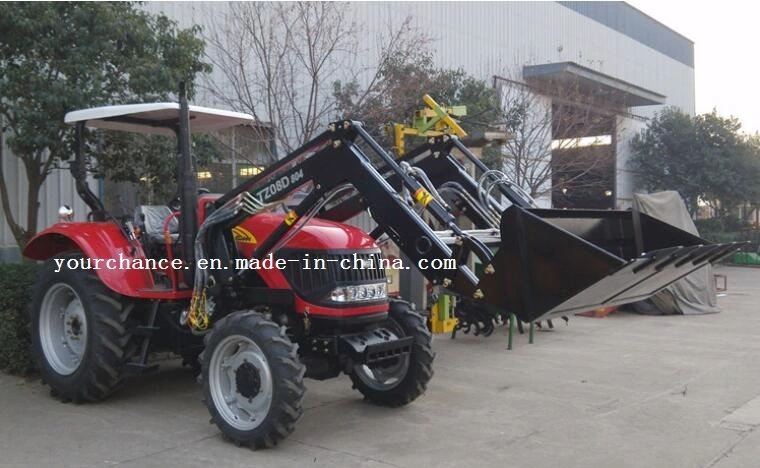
<point>705,158</point>
<point>148,161</point>
<point>399,85</point>
<point>546,122</point>
<point>732,163</point>
<point>280,61</point>
<point>57,57</point>
<point>750,176</point>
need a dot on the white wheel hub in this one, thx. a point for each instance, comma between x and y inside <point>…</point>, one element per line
<point>63,328</point>
<point>240,382</point>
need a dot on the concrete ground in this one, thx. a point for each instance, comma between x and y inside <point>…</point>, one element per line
<point>621,391</point>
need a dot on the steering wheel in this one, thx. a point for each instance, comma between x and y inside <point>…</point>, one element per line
<point>174,203</point>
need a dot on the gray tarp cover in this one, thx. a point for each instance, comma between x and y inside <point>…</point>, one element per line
<point>695,293</point>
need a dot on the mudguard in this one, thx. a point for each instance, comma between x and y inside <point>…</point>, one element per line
<point>100,240</point>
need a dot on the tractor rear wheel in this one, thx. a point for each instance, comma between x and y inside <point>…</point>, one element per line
<point>401,381</point>
<point>252,380</point>
<point>79,332</point>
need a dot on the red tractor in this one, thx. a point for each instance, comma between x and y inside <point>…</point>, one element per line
<point>258,295</point>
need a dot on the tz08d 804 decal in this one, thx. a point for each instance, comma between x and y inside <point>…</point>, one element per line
<point>273,190</point>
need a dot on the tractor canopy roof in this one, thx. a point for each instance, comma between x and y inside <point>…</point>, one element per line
<point>158,118</point>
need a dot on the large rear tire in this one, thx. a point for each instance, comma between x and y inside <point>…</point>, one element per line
<point>252,380</point>
<point>400,382</point>
<point>79,332</point>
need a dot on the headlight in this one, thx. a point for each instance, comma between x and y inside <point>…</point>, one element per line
<point>358,293</point>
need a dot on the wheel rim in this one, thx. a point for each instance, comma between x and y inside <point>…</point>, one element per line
<point>240,382</point>
<point>63,328</point>
<point>384,377</point>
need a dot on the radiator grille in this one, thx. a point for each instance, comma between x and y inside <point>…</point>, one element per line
<point>316,272</point>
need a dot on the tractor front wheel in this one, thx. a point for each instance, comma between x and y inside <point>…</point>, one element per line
<point>252,380</point>
<point>399,382</point>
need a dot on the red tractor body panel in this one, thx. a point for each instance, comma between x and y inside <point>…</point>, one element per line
<point>317,235</point>
<point>105,244</point>
<point>101,241</point>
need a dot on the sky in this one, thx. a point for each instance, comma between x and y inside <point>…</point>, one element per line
<point>726,37</point>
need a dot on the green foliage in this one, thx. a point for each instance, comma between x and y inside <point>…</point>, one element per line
<point>16,282</point>
<point>703,158</point>
<point>727,229</point>
<point>401,83</point>
<point>58,57</point>
<point>665,156</point>
<point>724,224</point>
<point>150,161</point>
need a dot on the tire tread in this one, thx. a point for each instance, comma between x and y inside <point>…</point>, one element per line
<point>420,370</point>
<point>104,358</point>
<point>282,356</point>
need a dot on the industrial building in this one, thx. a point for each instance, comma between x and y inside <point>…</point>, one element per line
<point>624,66</point>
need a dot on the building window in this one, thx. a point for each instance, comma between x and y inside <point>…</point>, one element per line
<point>250,171</point>
<point>204,175</point>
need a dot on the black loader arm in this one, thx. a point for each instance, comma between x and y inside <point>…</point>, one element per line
<point>333,161</point>
<point>451,178</point>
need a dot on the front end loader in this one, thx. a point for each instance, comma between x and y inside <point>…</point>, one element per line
<point>544,262</point>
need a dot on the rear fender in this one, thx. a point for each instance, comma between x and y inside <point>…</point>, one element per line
<point>96,241</point>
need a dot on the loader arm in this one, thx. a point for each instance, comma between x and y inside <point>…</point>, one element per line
<point>332,161</point>
<point>450,177</point>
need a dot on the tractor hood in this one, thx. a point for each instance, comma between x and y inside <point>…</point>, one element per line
<point>317,234</point>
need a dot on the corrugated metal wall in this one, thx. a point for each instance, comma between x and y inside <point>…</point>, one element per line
<point>499,38</point>
<point>483,38</point>
<point>57,190</point>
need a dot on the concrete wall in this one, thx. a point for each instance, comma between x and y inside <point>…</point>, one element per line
<point>627,127</point>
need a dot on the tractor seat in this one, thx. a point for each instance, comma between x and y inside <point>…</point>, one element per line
<point>150,219</point>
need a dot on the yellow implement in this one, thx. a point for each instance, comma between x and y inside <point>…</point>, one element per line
<point>431,121</point>
<point>441,320</point>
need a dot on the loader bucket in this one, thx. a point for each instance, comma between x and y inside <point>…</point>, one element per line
<point>561,262</point>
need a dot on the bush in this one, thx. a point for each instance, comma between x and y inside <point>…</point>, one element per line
<point>724,224</point>
<point>16,281</point>
<point>728,229</point>
<point>721,236</point>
